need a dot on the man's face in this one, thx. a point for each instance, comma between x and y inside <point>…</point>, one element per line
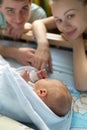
<point>16,13</point>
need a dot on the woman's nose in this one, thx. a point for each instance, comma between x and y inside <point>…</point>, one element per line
<point>64,26</point>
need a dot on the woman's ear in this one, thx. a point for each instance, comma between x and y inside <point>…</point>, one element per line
<point>42,92</point>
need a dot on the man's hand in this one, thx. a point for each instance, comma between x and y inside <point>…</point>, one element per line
<point>25,55</point>
<point>16,33</point>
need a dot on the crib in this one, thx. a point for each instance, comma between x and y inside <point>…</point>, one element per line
<point>62,70</point>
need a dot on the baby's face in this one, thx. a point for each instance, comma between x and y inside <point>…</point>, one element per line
<point>15,12</point>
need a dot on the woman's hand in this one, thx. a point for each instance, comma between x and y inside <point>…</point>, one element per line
<point>42,59</point>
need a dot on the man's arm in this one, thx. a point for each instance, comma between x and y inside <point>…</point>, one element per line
<point>21,55</point>
<point>8,52</point>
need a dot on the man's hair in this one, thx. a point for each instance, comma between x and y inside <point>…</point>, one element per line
<point>1,1</point>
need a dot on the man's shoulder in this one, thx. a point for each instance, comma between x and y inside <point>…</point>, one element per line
<point>2,21</point>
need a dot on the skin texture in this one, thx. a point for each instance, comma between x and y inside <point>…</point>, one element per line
<point>70,18</point>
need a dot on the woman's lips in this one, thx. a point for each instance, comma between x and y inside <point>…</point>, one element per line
<point>70,33</point>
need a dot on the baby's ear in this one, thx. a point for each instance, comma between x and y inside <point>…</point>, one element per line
<point>42,92</point>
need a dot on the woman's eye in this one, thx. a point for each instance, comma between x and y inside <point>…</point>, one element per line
<point>58,20</point>
<point>70,16</point>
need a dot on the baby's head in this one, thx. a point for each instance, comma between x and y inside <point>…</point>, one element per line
<point>55,95</point>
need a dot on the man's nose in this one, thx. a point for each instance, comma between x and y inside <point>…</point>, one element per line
<point>18,17</point>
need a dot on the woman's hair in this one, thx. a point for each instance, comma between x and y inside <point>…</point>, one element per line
<point>1,1</point>
<point>84,1</point>
<point>52,1</point>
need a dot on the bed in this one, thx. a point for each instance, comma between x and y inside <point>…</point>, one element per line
<point>9,124</point>
<point>62,70</point>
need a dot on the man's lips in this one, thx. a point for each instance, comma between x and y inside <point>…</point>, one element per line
<point>19,24</point>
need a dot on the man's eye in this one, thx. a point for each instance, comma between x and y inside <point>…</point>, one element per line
<point>25,9</point>
<point>10,11</point>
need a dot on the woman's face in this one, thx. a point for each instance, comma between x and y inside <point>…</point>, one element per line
<point>70,17</point>
<point>16,13</point>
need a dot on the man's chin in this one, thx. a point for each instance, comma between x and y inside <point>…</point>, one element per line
<point>18,26</point>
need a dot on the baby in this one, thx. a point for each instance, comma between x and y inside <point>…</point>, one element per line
<point>52,92</point>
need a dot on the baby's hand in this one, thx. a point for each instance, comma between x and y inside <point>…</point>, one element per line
<point>42,74</point>
<point>36,75</point>
<point>25,75</point>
